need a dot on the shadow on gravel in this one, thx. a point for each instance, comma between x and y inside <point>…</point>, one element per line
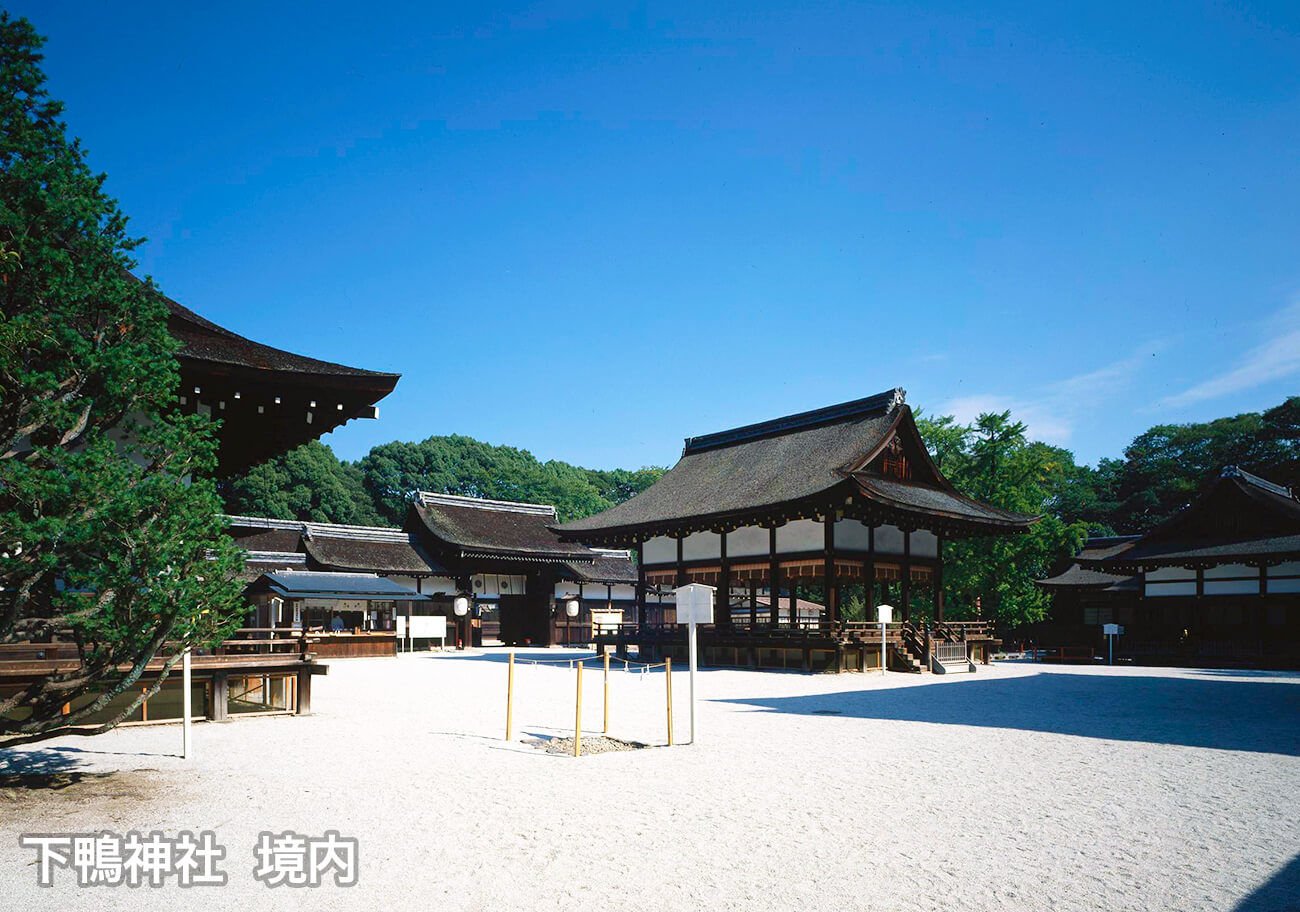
<point>1195,712</point>
<point>38,769</point>
<point>1280,894</point>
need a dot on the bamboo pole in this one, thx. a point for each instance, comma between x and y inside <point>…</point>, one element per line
<point>577,718</point>
<point>606,729</point>
<point>510,696</point>
<point>668,676</point>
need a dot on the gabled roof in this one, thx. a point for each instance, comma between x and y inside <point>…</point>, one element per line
<point>315,584</point>
<point>1240,516</point>
<point>470,527</point>
<point>820,455</point>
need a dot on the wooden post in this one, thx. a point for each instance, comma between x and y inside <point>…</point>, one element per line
<point>774,578</point>
<point>510,695</point>
<point>938,580</point>
<point>218,711</point>
<point>905,582</point>
<point>577,718</point>
<point>668,676</point>
<point>831,587</point>
<point>640,585</point>
<point>606,729</point>
<point>722,608</point>
<point>304,692</point>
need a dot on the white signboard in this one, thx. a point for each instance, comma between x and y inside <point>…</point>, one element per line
<point>884,614</point>
<point>434,626</point>
<point>694,604</point>
<point>1111,629</point>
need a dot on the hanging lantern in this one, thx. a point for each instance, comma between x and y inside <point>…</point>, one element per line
<point>460,606</point>
<point>571,608</point>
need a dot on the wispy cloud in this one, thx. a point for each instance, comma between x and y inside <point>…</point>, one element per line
<point>1052,413</point>
<point>1271,360</point>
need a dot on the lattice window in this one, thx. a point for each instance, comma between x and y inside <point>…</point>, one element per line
<point>893,461</point>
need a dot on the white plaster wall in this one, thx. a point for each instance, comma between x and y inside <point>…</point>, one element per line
<point>925,544</point>
<point>1232,587</point>
<point>1283,585</point>
<point>1290,568</point>
<point>438,584</point>
<point>747,541</point>
<point>800,535</point>
<point>889,540</point>
<point>624,592</point>
<point>1157,590</point>
<point>1164,574</point>
<point>661,550</point>
<point>701,546</point>
<point>852,535</point>
<point>1223,570</point>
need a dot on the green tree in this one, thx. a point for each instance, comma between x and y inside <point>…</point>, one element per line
<point>309,483</point>
<point>393,472</point>
<point>993,461</point>
<point>102,540</point>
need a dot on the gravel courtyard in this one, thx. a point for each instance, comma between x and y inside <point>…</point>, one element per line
<point>1020,787</point>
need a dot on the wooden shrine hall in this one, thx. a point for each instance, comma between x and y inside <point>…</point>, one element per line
<point>841,507</point>
<point>1218,584</point>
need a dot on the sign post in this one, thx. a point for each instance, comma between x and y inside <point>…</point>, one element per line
<point>884,614</point>
<point>1111,631</point>
<point>694,607</point>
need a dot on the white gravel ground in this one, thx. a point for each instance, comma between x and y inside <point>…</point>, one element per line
<point>1020,787</point>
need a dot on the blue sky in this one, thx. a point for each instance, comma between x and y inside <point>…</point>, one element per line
<point>591,233</point>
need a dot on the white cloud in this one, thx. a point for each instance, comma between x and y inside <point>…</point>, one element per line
<point>1052,414</point>
<point>1272,360</point>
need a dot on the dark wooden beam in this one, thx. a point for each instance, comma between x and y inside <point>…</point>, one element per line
<point>774,578</point>
<point>722,604</point>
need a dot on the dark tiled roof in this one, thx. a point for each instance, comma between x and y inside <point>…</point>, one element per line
<point>754,467</point>
<point>765,466</point>
<point>608,567</point>
<point>375,556</point>
<point>931,501</point>
<point>492,528</point>
<point>1076,577</point>
<point>1240,516</point>
<point>203,340</point>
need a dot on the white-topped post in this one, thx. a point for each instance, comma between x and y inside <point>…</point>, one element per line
<point>884,614</point>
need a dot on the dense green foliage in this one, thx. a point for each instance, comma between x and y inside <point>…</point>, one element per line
<point>311,483</point>
<point>103,539</point>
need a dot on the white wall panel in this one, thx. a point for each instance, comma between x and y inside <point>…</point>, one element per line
<point>1165,574</point>
<point>747,541</point>
<point>702,546</point>
<point>661,550</point>
<point>1223,570</point>
<point>852,535</point>
<point>1232,587</point>
<point>1158,590</point>
<point>925,544</point>
<point>800,535</point>
<point>889,540</point>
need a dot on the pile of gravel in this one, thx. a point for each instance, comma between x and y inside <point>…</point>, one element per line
<point>594,744</point>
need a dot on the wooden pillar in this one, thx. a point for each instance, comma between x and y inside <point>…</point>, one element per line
<point>753,603</point>
<point>773,578</point>
<point>219,710</point>
<point>869,574</point>
<point>639,548</point>
<point>681,571</point>
<point>304,691</point>
<point>830,583</point>
<point>905,583</point>
<point>722,604</point>
<point>938,580</point>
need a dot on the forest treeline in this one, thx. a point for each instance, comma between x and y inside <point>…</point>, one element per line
<point>991,459</point>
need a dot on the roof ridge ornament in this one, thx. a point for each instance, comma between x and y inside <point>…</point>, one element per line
<point>433,498</point>
<point>885,403</point>
<point>1233,471</point>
